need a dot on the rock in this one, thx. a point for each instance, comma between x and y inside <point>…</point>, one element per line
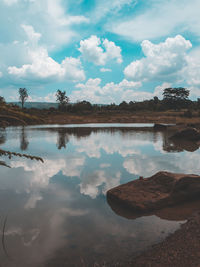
<point>178,145</point>
<point>191,134</point>
<point>159,127</point>
<point>159,191</point>
<point>179,212</point>
<point>193,125</point>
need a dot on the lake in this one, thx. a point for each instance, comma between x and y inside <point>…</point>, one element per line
<point>56,214</point>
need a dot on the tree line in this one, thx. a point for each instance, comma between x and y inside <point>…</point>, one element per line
<point>173,98</point>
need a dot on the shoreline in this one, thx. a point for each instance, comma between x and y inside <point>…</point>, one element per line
<point>180,249</point>
<point>120,118</point>
<point>13,116</point>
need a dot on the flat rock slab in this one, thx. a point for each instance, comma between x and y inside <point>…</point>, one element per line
<point>158,191</point>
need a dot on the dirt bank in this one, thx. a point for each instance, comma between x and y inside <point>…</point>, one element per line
<point>181,249</point>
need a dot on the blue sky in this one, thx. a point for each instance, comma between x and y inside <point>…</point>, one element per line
<point>101,51</point>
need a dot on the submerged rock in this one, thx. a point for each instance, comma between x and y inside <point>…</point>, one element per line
<point>191,134</point>
<point>156,192</point>
<point>179,212</point>
<point>159,127</point>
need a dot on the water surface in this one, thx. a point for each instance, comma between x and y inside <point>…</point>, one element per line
<point>56,211</point>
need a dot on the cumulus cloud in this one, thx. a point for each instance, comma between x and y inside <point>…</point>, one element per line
<point>174,162</point>
<point>163,61</point>
<point>34,29</point>
<point>109,93</point>
<point>170,62</point>
<point>91,185</point>
<point>42,173</point>
<point>42,66</point>
<point>111,144</point>
<point>192,72</point>
<point>136,166</point>
<point>99,51</point>
<point>159,19</point>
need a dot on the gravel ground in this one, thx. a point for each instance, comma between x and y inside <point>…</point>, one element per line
<point>181,249</point>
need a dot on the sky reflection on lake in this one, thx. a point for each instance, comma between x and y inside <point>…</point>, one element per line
<point>57,214</point>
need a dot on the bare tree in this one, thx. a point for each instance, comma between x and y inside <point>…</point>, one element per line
<point>23,95</point>
<point>62,99</point>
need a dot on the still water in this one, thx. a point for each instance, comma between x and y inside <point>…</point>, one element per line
<point>56,214</point>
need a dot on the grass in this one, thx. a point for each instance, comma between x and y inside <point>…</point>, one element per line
<point>13,115</point>
<point>123,117</point>
<point>11,154</point>
<point>10,115</point>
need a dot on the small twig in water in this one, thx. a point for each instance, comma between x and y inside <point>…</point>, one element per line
<point>3,237</point>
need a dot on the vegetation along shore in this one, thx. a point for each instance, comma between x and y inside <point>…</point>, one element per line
<point>173,108</point>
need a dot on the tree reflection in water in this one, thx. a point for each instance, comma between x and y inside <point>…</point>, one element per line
<point>23,139</point>
<point>62,139</point>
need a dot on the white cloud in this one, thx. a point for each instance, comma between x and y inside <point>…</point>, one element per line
<point>159,19</point>
<point>92,183</point>
<point>42,173</point>
<point>104,7</point>
<point>163,61</point>
<point>51,97</point>
<point>1,74</point>
<point>171,63</point>
<point>174,162</point>
<point>111,144</point>
<point>109,93</point>
<point>10,2</point>
<point>33,29</point>
<point>49,17</point>
<point>159,89</point>
<point>92,50</point>
<point>42,66</point>
<point>112,51</point>
<point>105,70</point>
<point>73,69</point>
<point>192,72</point>
<point>73,165</point>
<point>30,32</point>
<point>136,166</point>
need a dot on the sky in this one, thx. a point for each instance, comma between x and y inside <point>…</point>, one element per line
<point>98,50</point>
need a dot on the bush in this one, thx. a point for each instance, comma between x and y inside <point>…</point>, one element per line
<point>188,114</point>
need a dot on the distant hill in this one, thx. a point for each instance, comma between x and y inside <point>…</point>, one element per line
<point>39,105</point>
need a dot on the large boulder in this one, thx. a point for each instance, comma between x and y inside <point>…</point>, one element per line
<point>161,190</point>
<point>191,134</point>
